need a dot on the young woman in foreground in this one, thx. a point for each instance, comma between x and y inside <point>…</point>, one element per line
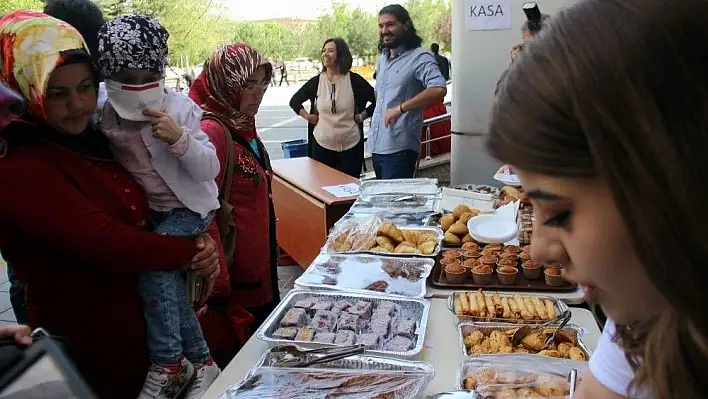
<point>605,119</point>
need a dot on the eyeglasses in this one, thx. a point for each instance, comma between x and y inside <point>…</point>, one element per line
<point>253,88</point>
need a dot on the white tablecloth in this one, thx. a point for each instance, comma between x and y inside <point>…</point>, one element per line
<point>442,350</point>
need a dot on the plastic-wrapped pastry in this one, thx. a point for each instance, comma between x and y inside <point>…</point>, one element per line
<point>285,333</point>
<point>305,334</point>
<point>370,340</point>
<point>399,344</point>
<point>385,242</point>
<point>295,317</point>
<point>324,337</point>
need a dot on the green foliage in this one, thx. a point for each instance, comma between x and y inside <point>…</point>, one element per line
<point>13,5</point>
<point>198,27</point>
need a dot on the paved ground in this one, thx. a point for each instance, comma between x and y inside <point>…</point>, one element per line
<point>277,123</point>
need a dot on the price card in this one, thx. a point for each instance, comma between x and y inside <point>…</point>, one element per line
<point>343,190</point>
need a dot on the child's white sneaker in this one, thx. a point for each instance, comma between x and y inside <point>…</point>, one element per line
<point>206,373</point>
<point>167,381</point>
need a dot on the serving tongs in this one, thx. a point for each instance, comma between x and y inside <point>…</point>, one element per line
<point>523,331</point>
<point>292,356</point>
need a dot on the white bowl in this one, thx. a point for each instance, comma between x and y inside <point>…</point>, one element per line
<point>492,229</point>
<point>509,180</point>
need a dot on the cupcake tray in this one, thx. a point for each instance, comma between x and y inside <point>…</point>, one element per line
<point>438,279</point>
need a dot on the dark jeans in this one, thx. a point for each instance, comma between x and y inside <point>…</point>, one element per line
<point>399,165</point>
<point>347,161</point>
<point>17,297</point>
<point>172,325</point>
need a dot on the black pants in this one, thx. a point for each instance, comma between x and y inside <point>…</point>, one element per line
<point>347,161</point>
<point>285,78</point>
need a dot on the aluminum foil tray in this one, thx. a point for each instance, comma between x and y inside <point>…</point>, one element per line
<point>398,186</point>
<point>433,230</point>
<point>408,219</point>
<point>354,273</point>
<point>519,367</point>
<point>358,362</point>
<point>415,309</point>
<point>305,383</point>
<point>486,328</point>
<point>559,305</point>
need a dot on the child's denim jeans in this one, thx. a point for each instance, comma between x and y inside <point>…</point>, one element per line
<point>172,325</point>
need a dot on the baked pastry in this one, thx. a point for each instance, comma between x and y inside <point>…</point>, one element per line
<point>390,230</point>
<point>369,340</point>
<point>324,321</point>
<point>460,210</point>
<point>451,239</point>
<point>466,217</point>
<point>459,229</point>
<point>306,304</point>
<point>428,248</point>
<point>305,334</point>
<point>322,305</point>
<point>405,328</point>
<point>285,333</point>
<point>324,337</point>
<point>348,321</point>
<point>410,236</point>
<point>467,239</point>
<point>386,307</point>
<point>446,221</point>
<point>403,248</point>
<point>385,242</point>
<point>362,309</point>
<point>345,337</point>
<point>380,324</point>
<point>295,317</point>
<point>341,306</point>
<point>399,344</point>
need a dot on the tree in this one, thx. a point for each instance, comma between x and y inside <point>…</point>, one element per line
<point>426,16</point>
<point>355,26</point>
<point>443,31</point>
<point>272,39</point>
<point>14,5</point>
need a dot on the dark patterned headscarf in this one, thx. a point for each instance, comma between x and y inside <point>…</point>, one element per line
<point>132,42</point>
<point>219,87</point>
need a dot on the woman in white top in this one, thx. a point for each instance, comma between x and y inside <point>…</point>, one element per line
<point>338,99</point>
<point>605,120</point>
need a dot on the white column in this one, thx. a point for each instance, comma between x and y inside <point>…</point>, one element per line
<point>478,58</point>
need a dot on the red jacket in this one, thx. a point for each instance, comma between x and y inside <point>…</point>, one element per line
<point>72,227</point>
<point>250,275</point>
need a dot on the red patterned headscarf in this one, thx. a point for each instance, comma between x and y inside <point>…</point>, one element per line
<point>219,87</point>
<point>32,46</point>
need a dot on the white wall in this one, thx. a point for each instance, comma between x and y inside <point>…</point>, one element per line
<point>479,57</point>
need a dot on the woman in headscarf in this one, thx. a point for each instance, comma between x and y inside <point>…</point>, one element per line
<point>73,220</point>
<point>230,90</point>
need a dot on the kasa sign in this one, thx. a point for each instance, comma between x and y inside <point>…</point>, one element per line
<point>488,15</point>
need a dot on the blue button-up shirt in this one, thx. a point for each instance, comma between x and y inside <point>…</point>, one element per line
<point>398,79</point>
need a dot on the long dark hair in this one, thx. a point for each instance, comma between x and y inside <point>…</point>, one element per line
<point>617,90</point>
<point>344,56</point>
<point>411,40</point>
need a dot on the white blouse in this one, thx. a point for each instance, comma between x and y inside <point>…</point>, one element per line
<point>610,367</point>
<point>336,129</point>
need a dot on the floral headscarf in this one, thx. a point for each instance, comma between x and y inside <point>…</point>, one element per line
<point>32,46</point>
<point>219,87</point>
<point>132,42</point>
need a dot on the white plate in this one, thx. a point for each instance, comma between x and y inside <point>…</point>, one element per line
<point>509,180</point>
<point>492,229</point>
